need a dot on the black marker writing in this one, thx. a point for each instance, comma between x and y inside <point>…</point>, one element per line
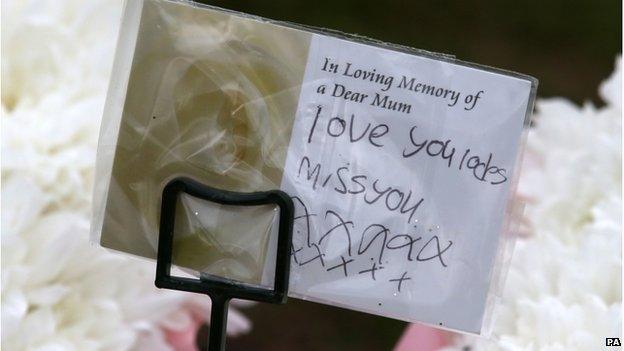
<point>400,280</point>
<point>343,265</point>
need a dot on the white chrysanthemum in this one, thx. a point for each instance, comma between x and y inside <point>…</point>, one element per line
<point>563,290</point>
<point>59,292</point>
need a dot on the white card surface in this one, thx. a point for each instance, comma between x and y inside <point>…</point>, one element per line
<point>401,168</point>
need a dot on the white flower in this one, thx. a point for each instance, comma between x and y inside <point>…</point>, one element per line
<point>563,289</point>
<point>58,291</point>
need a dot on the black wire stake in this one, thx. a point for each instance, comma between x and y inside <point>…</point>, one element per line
<point>222,290</point>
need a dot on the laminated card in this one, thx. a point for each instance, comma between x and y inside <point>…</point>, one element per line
<point>401,163</point>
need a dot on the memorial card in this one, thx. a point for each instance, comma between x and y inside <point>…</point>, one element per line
<point>401,163</point>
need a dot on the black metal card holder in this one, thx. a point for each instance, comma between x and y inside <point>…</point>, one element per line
<point>222,290</point>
